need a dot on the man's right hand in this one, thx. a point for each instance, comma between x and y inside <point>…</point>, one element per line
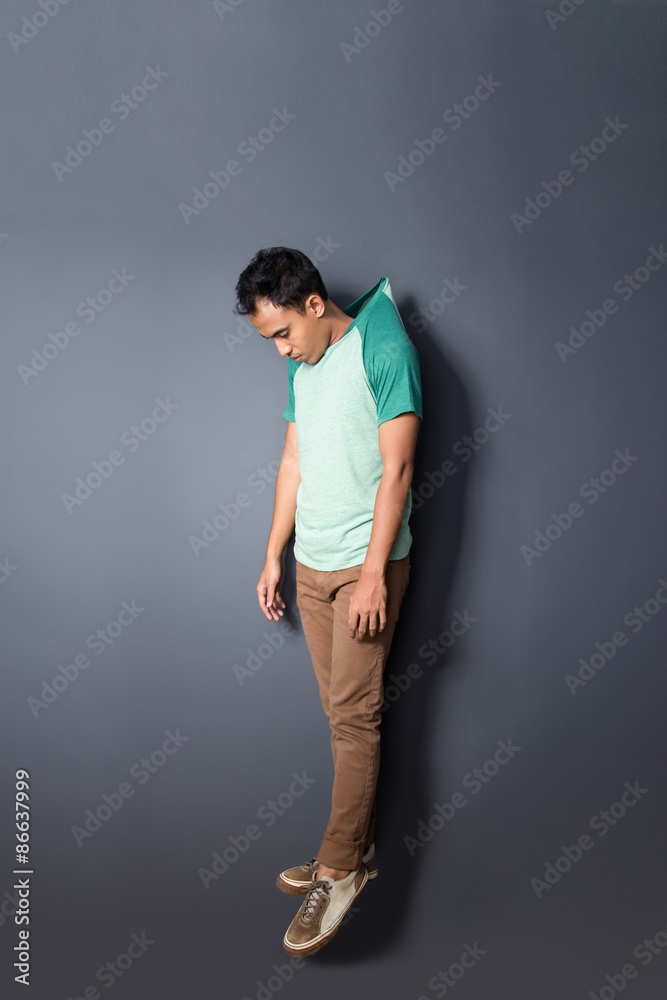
<point>268,593</point>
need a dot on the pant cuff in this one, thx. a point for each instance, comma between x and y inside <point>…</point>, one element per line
<point>343,854</point>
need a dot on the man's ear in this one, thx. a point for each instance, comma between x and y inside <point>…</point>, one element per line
<point>315,304</point>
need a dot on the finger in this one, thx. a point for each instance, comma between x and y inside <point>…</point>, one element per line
<point>270,602</point>
<point>279,598</point>
<point>269,610</point>
<point>274,614</point>
<point>367,624</point>
<point>261,594</point>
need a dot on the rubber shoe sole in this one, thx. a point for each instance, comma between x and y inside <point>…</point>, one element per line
<point>295,881</point>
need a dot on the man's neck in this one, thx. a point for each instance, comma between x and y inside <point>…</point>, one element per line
<point>343,324</point>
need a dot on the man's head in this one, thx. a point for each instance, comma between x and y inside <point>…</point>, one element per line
<point>283,295</point>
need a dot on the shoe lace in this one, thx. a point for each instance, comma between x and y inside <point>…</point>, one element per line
<point>315,895</point>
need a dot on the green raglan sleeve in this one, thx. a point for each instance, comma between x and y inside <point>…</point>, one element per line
<point>392,365</point>
<point>288,412</point>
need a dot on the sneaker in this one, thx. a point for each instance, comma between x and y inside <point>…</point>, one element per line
<point>322,912</point>
<point>295,881</point>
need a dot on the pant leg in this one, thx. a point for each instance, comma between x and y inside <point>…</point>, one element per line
<point>356,694</point>
<point>317,617</point>
<point>315,603</point>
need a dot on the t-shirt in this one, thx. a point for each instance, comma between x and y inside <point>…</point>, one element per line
<point>368,376</point>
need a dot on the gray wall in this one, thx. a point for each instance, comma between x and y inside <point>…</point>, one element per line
<point>165,331</point>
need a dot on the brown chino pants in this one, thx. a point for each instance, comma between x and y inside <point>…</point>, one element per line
<point>349,673</point>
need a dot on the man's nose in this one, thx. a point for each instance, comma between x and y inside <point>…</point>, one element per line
<point>283,348</point>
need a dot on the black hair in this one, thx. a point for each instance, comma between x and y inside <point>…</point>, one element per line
<point>284,276</point>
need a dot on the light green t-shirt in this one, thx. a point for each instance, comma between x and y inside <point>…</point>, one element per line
<point>368,376</point>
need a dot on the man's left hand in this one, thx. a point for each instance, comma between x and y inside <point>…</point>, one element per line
<point>368,606</point>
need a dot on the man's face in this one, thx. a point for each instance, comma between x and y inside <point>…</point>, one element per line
<point>302,338</point>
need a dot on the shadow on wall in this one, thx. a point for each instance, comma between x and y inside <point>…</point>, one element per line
<point>408,721</point>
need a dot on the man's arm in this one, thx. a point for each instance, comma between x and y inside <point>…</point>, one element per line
<point>282,526</point>
<point>397,440</point>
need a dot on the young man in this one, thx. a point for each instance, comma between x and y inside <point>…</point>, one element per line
<point>354,410</point>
